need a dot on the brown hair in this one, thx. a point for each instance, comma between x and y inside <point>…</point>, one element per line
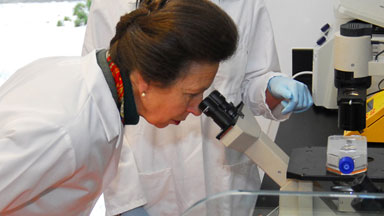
<point>162,37</point>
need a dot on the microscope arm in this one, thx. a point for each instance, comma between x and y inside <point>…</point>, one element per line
<point>246,136</point>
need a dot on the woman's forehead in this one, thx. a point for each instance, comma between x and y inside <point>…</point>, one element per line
<point>199,76</point>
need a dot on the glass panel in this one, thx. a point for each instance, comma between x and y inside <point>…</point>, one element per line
<point>243,203</point>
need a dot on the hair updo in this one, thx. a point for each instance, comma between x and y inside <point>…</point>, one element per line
<point>162,37</point>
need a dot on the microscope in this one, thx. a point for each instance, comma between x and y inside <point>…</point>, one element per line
<point>240,131</point>
<point>348,66</point>
<point>347,155</point>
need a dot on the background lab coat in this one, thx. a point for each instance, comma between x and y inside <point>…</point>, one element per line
<point>179,165</point>
<point>60,133</point>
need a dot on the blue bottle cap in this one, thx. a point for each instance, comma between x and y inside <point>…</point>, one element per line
<point>346,165</point>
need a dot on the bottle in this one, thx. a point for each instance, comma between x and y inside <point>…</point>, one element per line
<point>347,155</point>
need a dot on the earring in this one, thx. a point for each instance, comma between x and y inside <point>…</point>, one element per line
<point>143,94</point>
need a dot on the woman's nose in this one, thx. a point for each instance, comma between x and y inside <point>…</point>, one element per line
<point>194,106</point>
<point>194,110</point>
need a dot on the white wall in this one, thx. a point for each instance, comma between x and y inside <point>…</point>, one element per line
<point>297,23</point>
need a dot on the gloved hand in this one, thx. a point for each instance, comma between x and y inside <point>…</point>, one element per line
<point>296,96</point>
<point>139,211</point>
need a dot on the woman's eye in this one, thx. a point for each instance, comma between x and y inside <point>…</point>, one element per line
<point>194,95</point>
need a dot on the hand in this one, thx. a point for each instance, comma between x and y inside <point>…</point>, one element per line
<point>139,211</point>
<point>296,96</point>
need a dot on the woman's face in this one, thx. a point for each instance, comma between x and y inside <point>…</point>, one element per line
<point>171,105</point>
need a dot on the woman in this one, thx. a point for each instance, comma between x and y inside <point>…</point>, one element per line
<point>187,161</point>
<point>61,117</point>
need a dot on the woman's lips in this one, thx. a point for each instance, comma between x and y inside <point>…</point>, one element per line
<point>175,122</point>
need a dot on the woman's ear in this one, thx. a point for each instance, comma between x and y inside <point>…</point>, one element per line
<point>139,82</point>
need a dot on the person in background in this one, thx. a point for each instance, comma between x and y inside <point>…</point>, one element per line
<point>177,166</point>
<point>62,118</point>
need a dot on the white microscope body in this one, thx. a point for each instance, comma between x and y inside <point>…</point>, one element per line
<point>369,11</point>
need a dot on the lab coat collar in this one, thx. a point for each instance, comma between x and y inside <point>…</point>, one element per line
<point>131,117</point>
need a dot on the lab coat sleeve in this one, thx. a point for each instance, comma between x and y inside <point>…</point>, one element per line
<point>125,192</point>
<point>262,65</point>
<point>31,161</point>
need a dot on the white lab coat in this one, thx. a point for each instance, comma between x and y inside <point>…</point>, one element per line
<point>180,165</point>
<point>60,137</point>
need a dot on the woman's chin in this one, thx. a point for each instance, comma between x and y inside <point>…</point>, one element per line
<point>161,125</point>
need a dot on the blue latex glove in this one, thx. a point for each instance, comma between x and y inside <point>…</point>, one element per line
<point>139,211</point>
<point>296,95</point>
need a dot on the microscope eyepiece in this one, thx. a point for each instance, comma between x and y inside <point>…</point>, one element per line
<point>223,113</point>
